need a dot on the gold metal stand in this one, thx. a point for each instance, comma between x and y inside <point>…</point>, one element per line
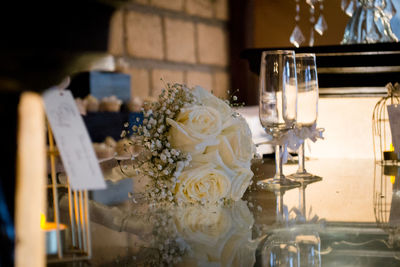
<point>79,248</point>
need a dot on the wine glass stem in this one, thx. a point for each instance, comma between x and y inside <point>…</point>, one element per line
<point>301,157</point>
<point>279,206</point>
<point>302,200</point>
<point>278,163</point>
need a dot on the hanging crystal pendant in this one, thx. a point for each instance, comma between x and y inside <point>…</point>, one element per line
<point>351,8</point>
<point>369,24</point>
<point>344,4</point>
<point>312,3</point>
<point>321,26</point>
<point>389,9</point>
<point>311,41</point>
<point>372,32</point>
<point>297,37</point>
<point>312,22</point>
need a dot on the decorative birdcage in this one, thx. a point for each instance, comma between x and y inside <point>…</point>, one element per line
<point>382,191</point>
<point>382,138</point>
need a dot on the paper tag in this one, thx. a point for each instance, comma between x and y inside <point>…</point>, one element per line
<point>73,140</point>
<point>394,119</point>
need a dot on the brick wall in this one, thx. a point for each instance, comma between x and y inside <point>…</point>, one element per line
<point>183,41</point>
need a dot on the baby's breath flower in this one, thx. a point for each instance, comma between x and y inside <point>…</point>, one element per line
<point>173,152</point>
<point>161,162</point>
<point>152,121</point>
<point>158,144</point>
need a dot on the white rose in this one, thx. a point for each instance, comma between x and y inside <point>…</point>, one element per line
<point>239,177</point>
<point>202,224</point>
<point>236,144</point>
<point>241,215</point>
<point>239,249</point>
<point>211,100</point>
<point>214,157</point>
<point>195,128</point>
<point>240,182</point>
<point>217,235</point>
<point>202,184</point>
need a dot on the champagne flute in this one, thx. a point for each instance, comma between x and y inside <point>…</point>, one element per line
<point>278,106</point>
<point>307,107</point>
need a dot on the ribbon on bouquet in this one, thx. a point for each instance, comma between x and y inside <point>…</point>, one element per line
<point>293,138</point>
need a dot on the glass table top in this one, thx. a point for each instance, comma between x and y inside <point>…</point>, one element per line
<point>350,218</point>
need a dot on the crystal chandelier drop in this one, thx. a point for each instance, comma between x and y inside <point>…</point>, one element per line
<point>369,22</point>
<point>320,26</point>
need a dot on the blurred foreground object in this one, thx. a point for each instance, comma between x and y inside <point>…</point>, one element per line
<point>30,183</point>
<point>42,42</point>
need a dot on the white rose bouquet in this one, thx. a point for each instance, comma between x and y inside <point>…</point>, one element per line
<point>197,148</point>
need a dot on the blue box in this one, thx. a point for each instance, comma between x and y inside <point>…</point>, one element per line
<point>101,84</point>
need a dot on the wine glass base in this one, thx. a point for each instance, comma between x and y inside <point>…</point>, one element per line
<point>305,177</point>
<point>274,184</point>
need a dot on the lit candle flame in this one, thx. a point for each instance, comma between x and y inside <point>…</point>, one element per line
<point>48,226</point>
<point>42,221</point>
<point>392,178</point>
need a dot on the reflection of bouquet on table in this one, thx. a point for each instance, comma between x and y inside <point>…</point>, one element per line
<point>179,235</point>
<point>196,148</point>
<point>195,235</point>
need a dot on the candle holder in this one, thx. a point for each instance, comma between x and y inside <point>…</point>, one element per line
<point>382,138</point>
<point>70,242</point>
<point>386,201</point>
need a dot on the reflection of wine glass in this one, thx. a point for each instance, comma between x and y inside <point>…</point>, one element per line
<point>307,107</point>
<point>302,196</point>
<point>309,245</point>
<point>278,104</point>
<point>280,249</point>
<point>307,238</point>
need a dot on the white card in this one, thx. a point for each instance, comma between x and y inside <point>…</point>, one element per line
<point>394,119</point>
<point>73,140</point>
